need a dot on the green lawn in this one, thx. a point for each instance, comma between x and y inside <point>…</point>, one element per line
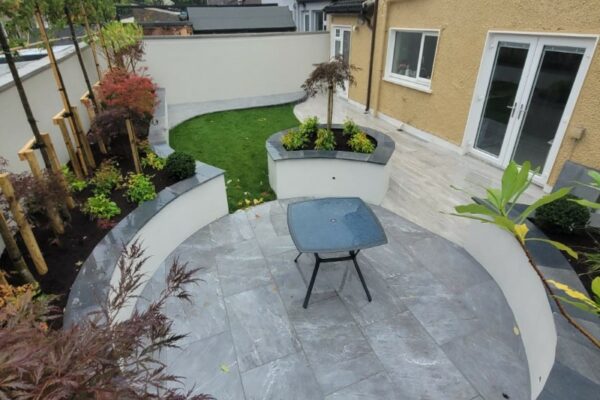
<point>235,142</point>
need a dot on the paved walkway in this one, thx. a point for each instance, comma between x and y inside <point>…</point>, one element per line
<point>422,172</point>
<point>438,326</point>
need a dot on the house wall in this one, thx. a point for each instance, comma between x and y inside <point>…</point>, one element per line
<point>463,29</point>
<point>310,7</point>
<point>205,68</point>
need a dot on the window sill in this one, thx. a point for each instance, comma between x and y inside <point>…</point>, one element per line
<point>408,84</point>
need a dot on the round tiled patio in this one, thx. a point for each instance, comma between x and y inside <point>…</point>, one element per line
<point>438,326</point>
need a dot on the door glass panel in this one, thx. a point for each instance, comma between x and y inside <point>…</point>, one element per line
<point>552,87</point>
<point>500,98</point>
<point>337,51</point>
<point>346,46</point>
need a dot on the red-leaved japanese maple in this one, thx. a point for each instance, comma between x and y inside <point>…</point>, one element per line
<point>122,89</point>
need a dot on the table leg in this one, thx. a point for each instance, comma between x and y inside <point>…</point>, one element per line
<point>312,280</point>
<point>360,275</point>
<point>297,257</point>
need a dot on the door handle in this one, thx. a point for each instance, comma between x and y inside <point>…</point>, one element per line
<point>512,108</point>
<point>521,111</point>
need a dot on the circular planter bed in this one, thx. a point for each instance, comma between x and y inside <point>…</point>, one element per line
<point>339,172</point>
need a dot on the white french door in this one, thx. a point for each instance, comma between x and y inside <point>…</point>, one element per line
<point>340,47</point>
<point>524,97</point>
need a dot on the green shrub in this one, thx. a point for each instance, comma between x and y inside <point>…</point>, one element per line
<point>153,161</point>
<point>75,185</point>
<point>350,128</point>
<point>563,215</point>
<point>309,126</point>
<point>325,140</point>
<point>360,143</point>
<point>180,165</point>
<point>139,188</point>
<point>101,207</point>
<point>294,140</point>
<point>106,178</point>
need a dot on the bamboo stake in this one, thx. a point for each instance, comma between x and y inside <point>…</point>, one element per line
<point>55,166</point>
<point>103,43</point>
<point>75,125</point>
<point>133,144</point>
<point>56,222</point>
<point>92,41</point>
<point>23,224</point>
<point>76,157</point>
<point>13,251</point>
<point>85,143</point>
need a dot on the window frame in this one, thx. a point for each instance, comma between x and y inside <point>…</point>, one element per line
<point>316,19</point>
<point>417,83</point>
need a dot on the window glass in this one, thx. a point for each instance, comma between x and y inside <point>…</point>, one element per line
<point>429,46</point>
<point>318,18</point>
<point>406,53</point>
<point>306,22</point>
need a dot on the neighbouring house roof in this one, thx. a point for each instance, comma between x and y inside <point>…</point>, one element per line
<point>226,19</point>
<point>344,7</point>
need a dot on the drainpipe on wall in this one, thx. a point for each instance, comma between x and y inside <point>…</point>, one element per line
<point>372,51</point>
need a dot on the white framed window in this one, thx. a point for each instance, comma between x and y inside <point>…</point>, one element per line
<point>318,18</point>
<point>411,57</point>
<point>306,21</point>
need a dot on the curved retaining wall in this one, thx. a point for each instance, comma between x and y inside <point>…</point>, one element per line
<point>563,364</point>
<point>161,225</point>
<point>318,173</point>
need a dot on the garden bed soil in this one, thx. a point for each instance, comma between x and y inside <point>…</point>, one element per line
<point>66,255</point>
<point>585,241</point>
<point>341,141</point>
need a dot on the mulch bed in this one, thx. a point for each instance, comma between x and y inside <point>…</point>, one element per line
<point>66,255</point>
<point>586,241</point>
<point>341,141</point>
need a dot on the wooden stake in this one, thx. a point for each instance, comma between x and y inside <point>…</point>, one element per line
<point>85,100</point>
<point>56,222</point>
<point>76,156</point>
<point>13,251</point>
<point>23,224</point>
<point>133,144</point>
<point>83,139</point>
<point>55,166</point>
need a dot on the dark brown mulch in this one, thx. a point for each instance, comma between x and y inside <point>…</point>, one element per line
<point>66,254</point>
<point>586,241</point>
<point>341,141</point>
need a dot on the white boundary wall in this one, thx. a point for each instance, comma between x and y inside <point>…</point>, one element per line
<point>204,68</point>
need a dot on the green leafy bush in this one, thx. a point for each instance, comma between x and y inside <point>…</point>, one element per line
<point>309,126</point>
<point>75,185</point>
<point>139,188</point>
<point>294,140</point>
<point>563,215</point>
<point>153,161</point>
<point>106,178</point>
<point>180,165</point>
<point>360,143</point>
<point>325,140</point>
<point>100,206</point>
<point>350,128</point>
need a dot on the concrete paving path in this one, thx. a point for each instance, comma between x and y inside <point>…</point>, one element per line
<point>438,326</point>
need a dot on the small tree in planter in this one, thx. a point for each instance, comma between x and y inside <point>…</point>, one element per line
<point>498,209</point>
<point>327,76</point>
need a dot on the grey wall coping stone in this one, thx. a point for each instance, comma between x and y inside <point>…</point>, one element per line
<point>382,154</point>
<point>570,374</point>
<point>92,284</point>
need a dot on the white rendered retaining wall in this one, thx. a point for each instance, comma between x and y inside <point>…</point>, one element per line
<point>500,254</point>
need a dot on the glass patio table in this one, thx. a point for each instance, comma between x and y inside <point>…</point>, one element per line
<point>334,225</point>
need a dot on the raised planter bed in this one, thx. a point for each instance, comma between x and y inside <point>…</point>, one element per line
<point>322,173</point>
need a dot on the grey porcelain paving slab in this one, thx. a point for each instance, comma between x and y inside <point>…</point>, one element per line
<point>288,378</point>
<point>389,260</point>
<point>414,362</point>
<point>242,268</point>
<point>480,356</point>
<point>332,340</point>
<point>231,229</point>
<point>260,327</point>
<point>376,387</point>
<point>207,366</point>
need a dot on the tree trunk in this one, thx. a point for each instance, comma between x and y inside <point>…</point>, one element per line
<point>13,252</point>
<point>329,107</point>
<point>561,309</point>
<point>103,44</point>
<point>92,40</point>
<point>91,95</point>
<point>23,96</point>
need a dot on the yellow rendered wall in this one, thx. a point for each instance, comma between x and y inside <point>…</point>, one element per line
<point>463,26</point>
